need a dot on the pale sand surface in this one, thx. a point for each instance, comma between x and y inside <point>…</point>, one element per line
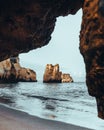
<point>11,119</point>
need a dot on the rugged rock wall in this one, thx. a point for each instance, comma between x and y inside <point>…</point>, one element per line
<point>28,24</point>
<point>65,78</point>
<point>11,71</point>
<point>53,74</point>
<point>92,49</point>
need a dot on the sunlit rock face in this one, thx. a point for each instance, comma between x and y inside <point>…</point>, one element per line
<point>52,74</point>
<point>11,71</point>
<point>92,49</point>
<point>66,78</point>
<point>28,24</point>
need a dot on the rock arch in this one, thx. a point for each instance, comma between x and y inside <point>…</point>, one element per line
<point>28,24</point>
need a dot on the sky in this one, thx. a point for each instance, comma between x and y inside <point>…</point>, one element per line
<point>63,49</point>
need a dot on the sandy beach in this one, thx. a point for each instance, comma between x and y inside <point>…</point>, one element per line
<point>11,119</point>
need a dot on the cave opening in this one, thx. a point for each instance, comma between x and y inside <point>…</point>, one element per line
<point>62,49</point>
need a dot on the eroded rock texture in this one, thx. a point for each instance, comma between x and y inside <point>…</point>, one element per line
<point>52,74</point>
<point>66,78</point>
<point>28,24</point>
<point>92,49</point>
<point>11,71</point>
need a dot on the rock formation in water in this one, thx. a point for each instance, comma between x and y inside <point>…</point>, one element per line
<point>28,24</point>
<point>65,78</point>
<point>53,74</point>
<point>92,49</point>
<point>11,71</point>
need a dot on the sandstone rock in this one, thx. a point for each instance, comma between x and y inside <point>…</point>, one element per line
<point>92,49</point>
<point>28,24</point>
<point>65,78</point>
<point>11,71</point>
<point>52,74</point>
<point>26,75</point>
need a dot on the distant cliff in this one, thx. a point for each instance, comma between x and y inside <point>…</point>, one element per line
<point>65,78</point>
<point>53,74</point>
<point>11,71</point>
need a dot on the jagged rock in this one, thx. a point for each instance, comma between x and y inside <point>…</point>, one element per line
<point>28,24</point>
<point>92,49</point>
<point>11,71</point>
<point>26,75</point>
<point>65,78</point>
<point>52,74</point>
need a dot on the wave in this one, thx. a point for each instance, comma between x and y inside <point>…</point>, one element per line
<point>44,98</point>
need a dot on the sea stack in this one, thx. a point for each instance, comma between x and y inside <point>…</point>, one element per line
<point>11,71</point>
<point>54,75</point>
<point>65,78</point>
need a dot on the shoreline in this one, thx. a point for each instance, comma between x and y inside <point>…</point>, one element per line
<point>11,119</point>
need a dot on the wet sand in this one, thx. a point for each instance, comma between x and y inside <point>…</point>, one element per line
<point>11,119</point>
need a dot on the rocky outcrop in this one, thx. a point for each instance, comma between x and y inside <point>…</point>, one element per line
<point>11,71</point>
<point>28,24</point>
<point>65,78</point>
<point>92,49</point>
<point>53,74</point>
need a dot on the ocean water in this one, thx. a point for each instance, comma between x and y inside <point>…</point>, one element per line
<point>66,102</point>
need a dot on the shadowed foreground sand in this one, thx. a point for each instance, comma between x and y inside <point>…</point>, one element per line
<point>16,120</point>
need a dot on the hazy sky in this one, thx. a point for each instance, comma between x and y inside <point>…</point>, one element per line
<point>63,47</point>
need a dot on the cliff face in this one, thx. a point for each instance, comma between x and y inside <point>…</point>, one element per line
<point>11,71</point>
<point>53,74</point>
<point>92,49</point>
<point>28,24</point>
<point>66,78</point>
